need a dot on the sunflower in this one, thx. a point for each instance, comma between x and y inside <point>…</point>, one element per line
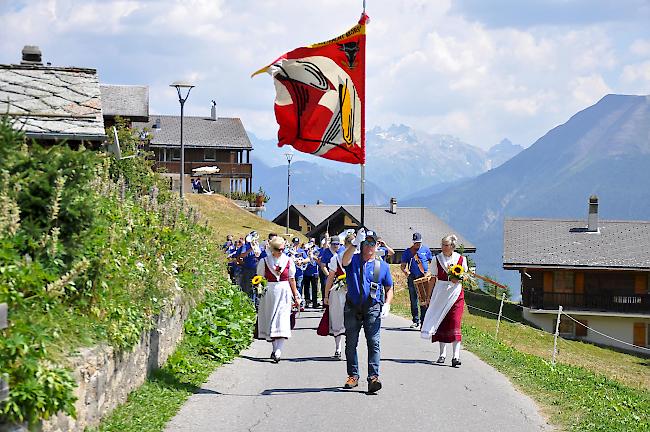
<point>456,270</point>
<point>257,280</point>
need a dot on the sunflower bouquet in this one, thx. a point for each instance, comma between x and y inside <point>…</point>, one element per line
<point>456,272</point>
<point>259,284</point>
<point>339,282</point>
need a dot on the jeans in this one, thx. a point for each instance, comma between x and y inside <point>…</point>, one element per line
<point>371,323</point>
<point>323,282</point>
<point>299,286</point>
<point>310,284</point>
<point>413,294</point>
<point>247,283</point>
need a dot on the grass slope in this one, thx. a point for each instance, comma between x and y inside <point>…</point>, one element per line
<point>225,217</point>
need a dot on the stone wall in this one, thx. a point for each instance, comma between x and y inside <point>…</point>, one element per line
<point>105,377</point>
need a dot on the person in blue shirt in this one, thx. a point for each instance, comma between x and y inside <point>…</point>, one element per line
<point>415,263</point>
<point>299,256</point>
<point>332,247</point>
<point>310,275</point>
<point>384,251</point>
<point>365,305</point>
<point>249,253</point>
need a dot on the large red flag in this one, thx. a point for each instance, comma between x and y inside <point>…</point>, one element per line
<point>320,96</point>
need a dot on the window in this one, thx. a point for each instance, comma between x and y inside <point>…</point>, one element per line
<point>160,153</point>
<point>567,326</point>
<point>563,281</point>
<point>176,154</point>
<point>210,154</point>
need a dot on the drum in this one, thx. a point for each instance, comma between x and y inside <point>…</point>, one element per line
<point>424,288</point>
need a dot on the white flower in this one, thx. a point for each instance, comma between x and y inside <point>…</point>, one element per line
<point>140,266</point>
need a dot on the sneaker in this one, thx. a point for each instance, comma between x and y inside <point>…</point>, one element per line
<point>374,385</point>
<point>415,325</point>
<point>337,355</point>
<point>352,382</point>
<point>441,359</point>
<point>455,362</point>
<point>276,356</point>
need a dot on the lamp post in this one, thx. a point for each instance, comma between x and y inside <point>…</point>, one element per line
<point>181,86</point>
<point>289,156</point>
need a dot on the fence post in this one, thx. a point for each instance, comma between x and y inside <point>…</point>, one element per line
<point>4,380</point>
<point>503,297</point>
<point>557,333</point>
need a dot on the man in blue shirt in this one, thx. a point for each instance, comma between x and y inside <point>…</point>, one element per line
<point>384,251</point>
<point>310,276</point>
<point>415,263</point>
<point>365,305</point>
<point>298,255</point>
<point>250,254</point>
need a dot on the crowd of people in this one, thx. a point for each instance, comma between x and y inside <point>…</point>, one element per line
<point>348,276</point>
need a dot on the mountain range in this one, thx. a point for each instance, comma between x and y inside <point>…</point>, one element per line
<point>602,150</point>
<point>401,161</point>
<point>311,182</point>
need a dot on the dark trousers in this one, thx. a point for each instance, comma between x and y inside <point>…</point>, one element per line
<point>413,296</point>
<point>310,288</point>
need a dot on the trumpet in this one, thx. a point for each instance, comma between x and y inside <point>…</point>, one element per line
<point>253,238</point>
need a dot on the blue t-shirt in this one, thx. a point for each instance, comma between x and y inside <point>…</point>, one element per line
<point>300,254</point>
<point>425,256</point>
<point>312,267</point>
<point>327,254</point>
<point>385,279</point>
<point>250,260</point>
<point>382,252</point>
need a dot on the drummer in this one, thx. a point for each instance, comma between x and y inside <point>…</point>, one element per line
<point>414,264</point>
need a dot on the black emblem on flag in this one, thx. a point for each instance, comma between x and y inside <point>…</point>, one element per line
<point>350,49</point>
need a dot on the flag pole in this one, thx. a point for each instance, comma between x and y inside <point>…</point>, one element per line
<point>363,171</point>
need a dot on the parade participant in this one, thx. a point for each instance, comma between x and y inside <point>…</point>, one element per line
<point>323,262</point>
<point>230,247</point>
<point>442,320</point>
<point>334,299</point>
<point>310,276</point>
<point>363,306</point>
<point>299,258</point>
<point>384,251</point>
<point>229,242</point>
<point>237,263</point>
<point>415,263</point>
<point>274,316</point>
<point>250,253</point>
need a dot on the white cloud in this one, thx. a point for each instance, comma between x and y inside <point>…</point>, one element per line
<point>588,90</point>
<point>641,47</point>
<point>428,66</point>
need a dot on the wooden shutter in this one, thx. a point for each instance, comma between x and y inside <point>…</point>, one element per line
<point>581,330</point>
<point>548,282</point>
<point>580,283</point>
<point>639,334</point>
<point>641,284</point>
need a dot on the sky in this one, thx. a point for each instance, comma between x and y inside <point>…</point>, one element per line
<point>475,69</point>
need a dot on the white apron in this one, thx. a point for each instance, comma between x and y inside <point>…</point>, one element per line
<point>443,297</point>
<point>274,314</point>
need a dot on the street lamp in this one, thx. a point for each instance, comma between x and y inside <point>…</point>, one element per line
<point>181,86</point>
<point>289,156</point>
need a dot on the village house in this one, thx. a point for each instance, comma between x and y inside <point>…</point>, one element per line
<point>129,102</point>
<point>52,104</point>
<point>208,141</point>
<point>598,271</point>
<point>395,225</point>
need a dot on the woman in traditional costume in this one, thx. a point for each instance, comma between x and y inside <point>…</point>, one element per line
<point>335,295</point>
<point>445,311</point>
<point>274,315</point>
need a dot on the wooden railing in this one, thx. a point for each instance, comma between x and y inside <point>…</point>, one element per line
<point>236,170</point>
<point>611,301</point>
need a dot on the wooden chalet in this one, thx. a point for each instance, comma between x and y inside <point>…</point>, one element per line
<point>597,270</point>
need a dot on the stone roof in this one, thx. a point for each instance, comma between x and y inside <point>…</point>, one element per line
<point>567,244</point>
<point>130,101</point>
<point>53,102</point>
<point>314,213</point>
<point>200,132</point>
<point>397,228</point>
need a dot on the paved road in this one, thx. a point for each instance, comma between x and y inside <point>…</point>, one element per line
<point>304,391</point>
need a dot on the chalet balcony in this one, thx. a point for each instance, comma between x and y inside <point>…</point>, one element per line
<point>607,302</point>
<point>228,170</point>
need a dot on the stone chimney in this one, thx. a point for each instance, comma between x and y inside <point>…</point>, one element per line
<point>393,206</point>
<point>592,219</point>
<point>213,110</point>
<point>32,55</point>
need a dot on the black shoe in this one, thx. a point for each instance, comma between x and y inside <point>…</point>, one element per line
<point>455,362</point>
<point>275,357</point>
<point>374,385</point>
<point>337,355</point>
<point>441,359</point>
<point>316,306</point>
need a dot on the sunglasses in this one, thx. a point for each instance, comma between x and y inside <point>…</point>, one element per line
<point>369,242</point>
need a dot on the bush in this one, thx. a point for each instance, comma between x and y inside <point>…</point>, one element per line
<point>91,249</point>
